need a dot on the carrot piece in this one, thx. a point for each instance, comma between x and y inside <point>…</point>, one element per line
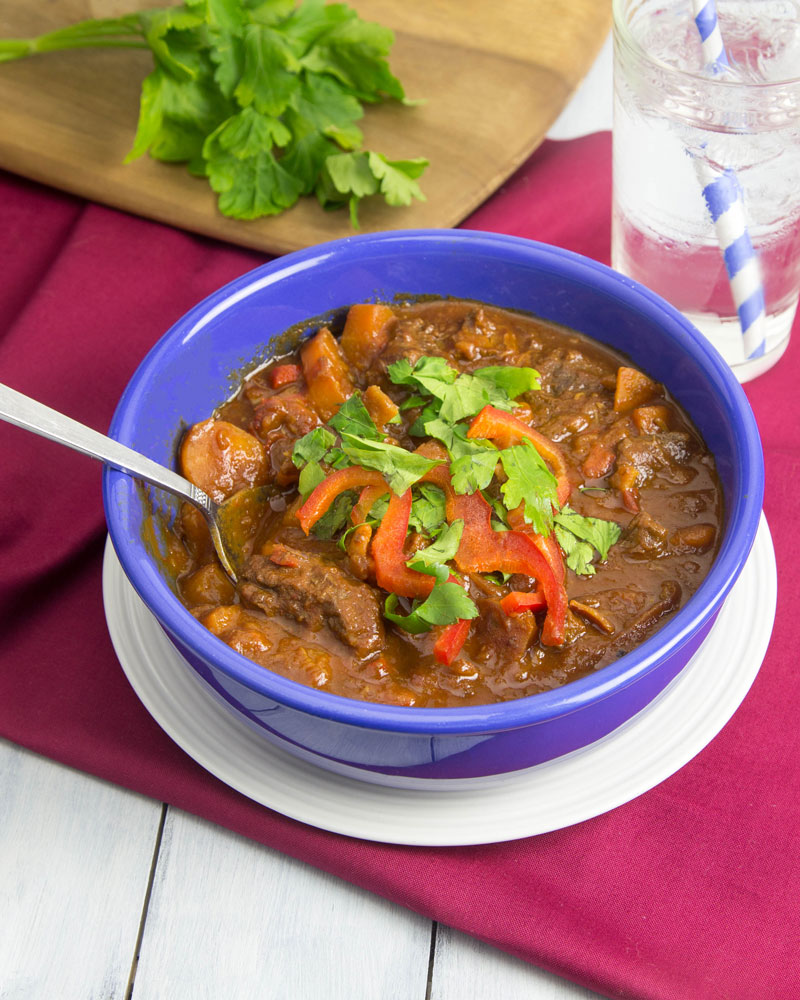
<point>326,373</point>
<point>283,375</point>
<point>221,458</point>
<point>366,331</point>
<point>633,389</point>
<point>380,407</point>
<point>651,419</point>
<point>207,585</point>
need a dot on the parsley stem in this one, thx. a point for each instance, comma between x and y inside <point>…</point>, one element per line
<point>122,33</point>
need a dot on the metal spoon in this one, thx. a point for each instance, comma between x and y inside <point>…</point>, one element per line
<point>31,415</point>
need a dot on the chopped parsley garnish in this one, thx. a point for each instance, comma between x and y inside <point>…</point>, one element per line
<point>510,479</point>
<point>445,604</point>
<point>531,483</point>
<point>337,516</point>
<point>310,478</point>
<point>313,446</point>
<point>399,467</point>
<point>353,418</point>
<point>461,396</point>
<point>439,552</point>
<point>475,470</point>
<point>581,537</point>
<point>427,510</point>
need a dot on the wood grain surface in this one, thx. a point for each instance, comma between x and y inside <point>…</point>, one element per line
<point>223,918</point>
<point>494,76</point>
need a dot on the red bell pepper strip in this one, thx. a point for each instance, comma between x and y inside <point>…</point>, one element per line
<point>506,430</point>
<point>450,641</point>
<point>352,477</point>
<point>391,572</point>
<point>487,550</point>
<point>548,546</point>
<point>283,375</point>
<point>484,550</point>
<point>519,601</point>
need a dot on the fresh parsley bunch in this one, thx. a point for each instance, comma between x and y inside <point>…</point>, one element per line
<point>261,97</point>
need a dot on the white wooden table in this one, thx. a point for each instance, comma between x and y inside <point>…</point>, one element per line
<point>107,895</point>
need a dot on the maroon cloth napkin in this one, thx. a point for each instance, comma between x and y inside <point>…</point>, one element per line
<point>690,891</point>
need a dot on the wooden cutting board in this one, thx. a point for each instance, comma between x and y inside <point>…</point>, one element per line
<point>495,74</point>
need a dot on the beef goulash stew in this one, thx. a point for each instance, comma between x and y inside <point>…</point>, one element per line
<point>469,505</point>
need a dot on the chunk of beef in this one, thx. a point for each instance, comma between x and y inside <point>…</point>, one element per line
<point>263,641</point>
<point>483,336</point>
<point>316,593</point>
<point>594,652</point>
<point>567,370</point>
<point>665,455</point>
<point>411,338</point>
<point>502,638</point>
<point>645,538</point>
<point>642,459</point>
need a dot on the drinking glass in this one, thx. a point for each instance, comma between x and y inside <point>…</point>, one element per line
<point>682,128</point>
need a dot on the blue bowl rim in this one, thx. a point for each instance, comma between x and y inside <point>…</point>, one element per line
<point>531,710</point>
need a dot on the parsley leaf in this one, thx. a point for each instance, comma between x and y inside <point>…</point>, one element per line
<point>353,418</point>
<point>427,509</point>
<point>510,380</point>
<point>378,510</point>
<point>474,471</point>
<point>531,483</point>
<point>312,446</point>
<point>354,52</point>
<point>413,402</point>
<point>336,516</point>
<point>249,132</point>
<point>351,176</point>
<point>249,187</point>
<point>499,513</point>
<point>580,537</point>
<point>446,603</point>
<point>461,396</point>
<point>430,374</point>
<point>270,79</point>
<point>310,478</point>
<point>578,555</point>
<point>398,178</point>
<point>400,468</point>
<point>441,551</point>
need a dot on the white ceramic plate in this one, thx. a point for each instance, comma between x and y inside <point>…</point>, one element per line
<point>684,718</point>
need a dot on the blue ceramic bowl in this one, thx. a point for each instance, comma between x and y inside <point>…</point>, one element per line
<point>195,366</point>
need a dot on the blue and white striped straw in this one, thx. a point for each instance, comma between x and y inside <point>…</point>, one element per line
<point>724,199</point>
<point>705,17</point>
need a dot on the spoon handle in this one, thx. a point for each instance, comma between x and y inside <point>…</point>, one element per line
<point>31,415</point>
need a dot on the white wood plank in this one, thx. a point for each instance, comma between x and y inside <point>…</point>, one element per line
<point>464,967</point>
<point>230,918</point>
<point>75,858</point>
